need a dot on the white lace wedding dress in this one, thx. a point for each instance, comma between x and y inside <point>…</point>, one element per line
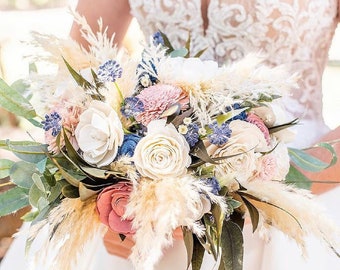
<point>297,33</point>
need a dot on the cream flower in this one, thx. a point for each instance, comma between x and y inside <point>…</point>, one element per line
<point>178,70</point>
<point>162,153</point>
<point>245,139</point>
<point>282,161</point>
<point>99,133</point>
<point>201,207</point>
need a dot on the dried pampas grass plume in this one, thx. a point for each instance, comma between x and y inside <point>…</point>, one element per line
<point>294,212</point>
<point>72,225</point>
<point>158,208</point>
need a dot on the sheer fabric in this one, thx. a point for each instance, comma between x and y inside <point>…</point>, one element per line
<point>296,33</point>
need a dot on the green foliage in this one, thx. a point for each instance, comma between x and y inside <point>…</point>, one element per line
<point>21,174</point>
<point>13,200</point>
<point>197,254</point>
<point>253,212</point>
<point>297,178</point>
<point>310,163</point>
<point>227,116</point>
<point>32,152</point>
<point>13,101</point>
<point>232,246</point>
<point>5,166</point>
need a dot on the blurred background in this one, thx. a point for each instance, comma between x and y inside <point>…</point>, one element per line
<point>19,17</point>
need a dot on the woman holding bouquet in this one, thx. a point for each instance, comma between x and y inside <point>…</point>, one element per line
<point>294,33</point>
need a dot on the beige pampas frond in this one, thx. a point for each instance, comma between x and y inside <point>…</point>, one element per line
<point>73,223</point>
<point>101,46</point>
<point>158,208</point>
<point>293,211</point>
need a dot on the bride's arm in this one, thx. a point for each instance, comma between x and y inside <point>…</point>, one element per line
<point>322,179</point>
<point>114,13</point>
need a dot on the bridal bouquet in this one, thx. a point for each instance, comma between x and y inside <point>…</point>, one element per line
<point>146,146</point>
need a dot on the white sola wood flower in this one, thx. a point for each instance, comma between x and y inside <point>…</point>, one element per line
<point>99,133</point>
<point>162,153</point>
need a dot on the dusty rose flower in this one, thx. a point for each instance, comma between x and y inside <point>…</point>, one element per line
<point>111,204</point>
<point>157,98</point>
<point>266,113</point>
<point>257,121</point>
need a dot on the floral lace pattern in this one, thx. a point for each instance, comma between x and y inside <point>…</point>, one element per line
<point>297,33</point>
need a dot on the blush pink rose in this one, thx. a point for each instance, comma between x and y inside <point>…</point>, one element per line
<point>267,168</point>
<point>111,204</point>
<point>257,121</point>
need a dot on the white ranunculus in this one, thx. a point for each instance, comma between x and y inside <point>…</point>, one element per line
<point>99,133</point>
<point>162,153</point>
<point>245,139</point>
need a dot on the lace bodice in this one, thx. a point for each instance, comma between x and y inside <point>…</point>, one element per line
<point>297,33</point>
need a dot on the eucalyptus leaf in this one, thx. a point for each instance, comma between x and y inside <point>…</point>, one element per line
<point>41,165</point>
<point>21,87</point>
<point>12,101</point>
<point>43,213</point>
<point>21,174</point>
<point>5,167</point>
<point>232,246</point>
<point>182,52</point>
<point>297,178</point>
<point>38,182</point>
<point>42,203</point>
<point>55,192</point>
<point>32,152</point>
<point>13,200</point>
<point>30,216</point>
<point>306,161</point>
<point>34,196</point>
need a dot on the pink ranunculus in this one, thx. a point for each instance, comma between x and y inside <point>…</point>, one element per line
<point>157,98</point>
<point>256,120</point>
<point>111,204</point>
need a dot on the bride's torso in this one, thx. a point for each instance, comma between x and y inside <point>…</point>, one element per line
<point>297,33</point>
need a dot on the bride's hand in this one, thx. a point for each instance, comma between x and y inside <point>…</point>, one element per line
<point>116,246</point>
